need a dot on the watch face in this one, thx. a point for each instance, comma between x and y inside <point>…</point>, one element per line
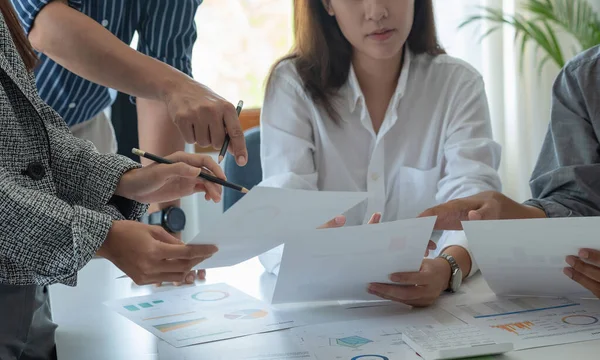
<point>456,280</point>
<point>175,219</point>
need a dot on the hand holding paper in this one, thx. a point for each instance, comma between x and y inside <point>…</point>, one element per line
<point>418,289</point>
<point>339,264</point>
<point>585,269</point>
<point>527,257</point>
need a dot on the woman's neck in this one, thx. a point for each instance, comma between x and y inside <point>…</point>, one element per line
<point>378,80</point>
<point>379,76</point>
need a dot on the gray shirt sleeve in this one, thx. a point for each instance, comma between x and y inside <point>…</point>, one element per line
<point>566,179</point>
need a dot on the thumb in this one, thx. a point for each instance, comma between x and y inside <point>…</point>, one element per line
<point>475,215</point>
<point>375,219</point>
<point>485,212</point>
<point>160,234</point>
<point>338,221</point>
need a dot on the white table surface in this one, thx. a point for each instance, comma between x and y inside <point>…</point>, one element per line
<point>90,330</point>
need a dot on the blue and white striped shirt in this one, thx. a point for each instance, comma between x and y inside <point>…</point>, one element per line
<point>166,30</point>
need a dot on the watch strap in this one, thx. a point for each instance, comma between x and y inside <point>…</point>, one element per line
<point>156,218</point>
<point>454,268</point>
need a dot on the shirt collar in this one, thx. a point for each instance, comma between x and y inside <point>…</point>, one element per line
<point>355,92</point>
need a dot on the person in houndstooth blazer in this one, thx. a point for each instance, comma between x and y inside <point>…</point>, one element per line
<point>62,203</point>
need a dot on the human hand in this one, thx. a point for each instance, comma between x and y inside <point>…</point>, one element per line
<point>203,117</point>
<point>157,183</point>
<point>586,274</point>
<point>430,246</point>
<point>192,275</point>
<point>149,254</point>
<point>340,221</point>
<point>417,289</point>
<point>489,205</point>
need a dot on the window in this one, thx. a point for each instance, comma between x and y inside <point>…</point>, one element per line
<point>238,41</point>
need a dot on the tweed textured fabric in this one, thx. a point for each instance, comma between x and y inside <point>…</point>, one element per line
<point>57,198</point>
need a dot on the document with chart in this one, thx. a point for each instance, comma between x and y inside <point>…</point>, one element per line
<point>267,217</point>
<point>533,322</point>
<point>201,314</point>
<point>527,257</point>
<point>369,339</point>
<point>277,345</point>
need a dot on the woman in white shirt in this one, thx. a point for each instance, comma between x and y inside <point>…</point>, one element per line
<point>368,101</point>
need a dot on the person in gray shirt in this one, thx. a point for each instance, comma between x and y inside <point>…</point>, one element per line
<point>566,178</point>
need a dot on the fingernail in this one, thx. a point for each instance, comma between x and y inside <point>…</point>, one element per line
<point>584,254</point>
<point>190,278</point>
<point>571,261</point>
<point>568,272</point>
<point>394,278</point>
<point>241,160</point>
<point>372,288</point>
<point>339,220</point>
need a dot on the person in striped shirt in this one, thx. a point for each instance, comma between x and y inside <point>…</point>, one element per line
<point>84,50</point>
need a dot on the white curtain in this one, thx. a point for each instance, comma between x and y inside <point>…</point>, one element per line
<point>519,100</point>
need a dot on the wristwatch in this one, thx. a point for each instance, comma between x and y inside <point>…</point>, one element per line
<point>456,274</point>
<point>171,219</point>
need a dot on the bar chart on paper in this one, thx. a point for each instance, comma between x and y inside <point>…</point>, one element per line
<point>200,314</point>
<point>533,322</point>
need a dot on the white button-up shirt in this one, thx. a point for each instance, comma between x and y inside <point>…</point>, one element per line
<point>434,145</point>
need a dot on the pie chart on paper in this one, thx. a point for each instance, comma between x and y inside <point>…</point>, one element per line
<point>248,314</point>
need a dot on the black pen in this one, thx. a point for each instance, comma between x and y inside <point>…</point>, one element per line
<point>227,138</point>
<point>203,174</point>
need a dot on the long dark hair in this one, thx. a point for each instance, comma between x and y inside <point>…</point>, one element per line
<point>18,35</point>
<point>322,55</point>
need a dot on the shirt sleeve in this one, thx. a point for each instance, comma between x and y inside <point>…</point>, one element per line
<point>565,179</point>
<point>471,156</point>
<point>168,32</point>
<point>287,146</point>
<point>27,10</point>
<point>84,176</point>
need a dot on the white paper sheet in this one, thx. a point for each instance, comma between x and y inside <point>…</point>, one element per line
<point>370,339</point>
<point>533,322</point>
<point>264,218</point>
<point>339,264</point>
<point>278,345</point>
<point>201,314</point>
<point>282,345</point>
<point>527,257</point>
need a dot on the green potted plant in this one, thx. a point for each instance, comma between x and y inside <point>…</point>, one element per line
<point>540,21</point>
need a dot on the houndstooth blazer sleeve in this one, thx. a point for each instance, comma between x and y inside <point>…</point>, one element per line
<point>57,198</point>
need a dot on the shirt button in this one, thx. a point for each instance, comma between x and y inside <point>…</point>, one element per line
<point>35,170</point>
<point>104,23</point>
<point>375,176</point>
<point>72,105</point>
